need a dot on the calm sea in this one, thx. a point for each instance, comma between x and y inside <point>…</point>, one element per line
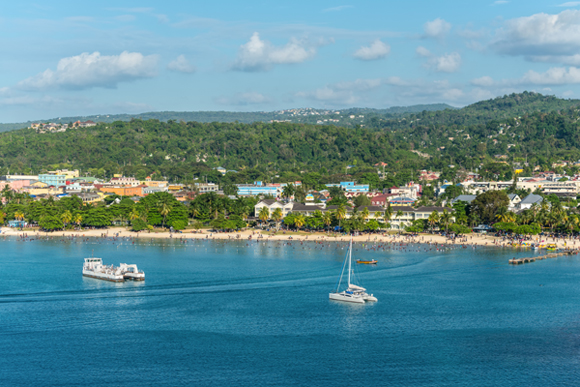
<point>219,313</point>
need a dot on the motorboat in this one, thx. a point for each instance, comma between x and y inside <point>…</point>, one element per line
<point>367,262</point>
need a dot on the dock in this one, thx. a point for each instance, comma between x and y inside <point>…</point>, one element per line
<point>519,261</point>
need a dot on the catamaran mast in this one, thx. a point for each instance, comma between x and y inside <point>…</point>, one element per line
<point>349,260</point>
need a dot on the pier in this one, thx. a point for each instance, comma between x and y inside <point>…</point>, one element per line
<point>519,261</point>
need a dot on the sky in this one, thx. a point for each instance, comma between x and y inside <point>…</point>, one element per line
<point>69,58</point>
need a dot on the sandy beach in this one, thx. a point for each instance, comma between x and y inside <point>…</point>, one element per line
<point>121,232</point>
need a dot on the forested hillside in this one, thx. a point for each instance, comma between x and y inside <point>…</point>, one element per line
<point>311,116</point>
<point>526,131</point>
<point>179,150</point>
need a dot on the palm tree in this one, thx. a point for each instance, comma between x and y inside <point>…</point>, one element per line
<point>365,214</point>
<point>277,215</point>
<point>299,193</point>
<point>572,223</point>
<point>288,191</point>
<point>19,215</point>
<point>340,213</point>
<point>66,217</point>
<point>445,219</point>
<point>388,213</point>
<point>378,215</point>
<point>78,219</point>
<point>398,215</point>
<point>433,219</point>
<point>299,220</point>
<point>502,214</point>
<point>164,209</point>
<point>194,212</point>
<point>134,214</point>
<point>327,218</point>
<point>264,214</point>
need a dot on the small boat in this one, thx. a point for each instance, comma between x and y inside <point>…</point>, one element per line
<point>552,247</point>
<point>353,293</point>
<point>131,272</point>
<point>367,262</point>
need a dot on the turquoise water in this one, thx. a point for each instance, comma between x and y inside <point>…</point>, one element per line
<point>214,313</point>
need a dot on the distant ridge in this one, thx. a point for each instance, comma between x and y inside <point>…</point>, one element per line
<point>243,117</point>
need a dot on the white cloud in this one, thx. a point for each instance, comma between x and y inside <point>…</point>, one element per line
<point>484,81</point>
<point>336,9</point>
<point>261,55</point>
<point>446,63</point>
<point>422,51</point>
<point>182,65</point>
<point>437,28</point>
<point>376,50</point>
<point>94,70</point>
<point>342,93</point>
<point>570,4</point>
<point>554,76</point>
<point>541,37</point>
<point>242,99</point>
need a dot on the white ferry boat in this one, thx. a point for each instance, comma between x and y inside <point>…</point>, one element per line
<point>94,268</point>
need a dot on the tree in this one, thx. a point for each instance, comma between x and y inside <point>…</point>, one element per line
<point>433,219</point>
<point>264,214</point>
<point>50,223</point>
<point>487,204</point>
<point>276,216</point>
<point>362,200</point>
<point>388,213</point>
<point>340,213</point>
<point>299,220</point>
<point>365,214</point>
<point>78,219</point>
<point>327,218</point>
<point>230,189</point>
<point>445,219</point>
<point>288,191</point>
<point>98,217</point>
<point>164,210</point>
<point>66,217</point>
<point>138,224</point>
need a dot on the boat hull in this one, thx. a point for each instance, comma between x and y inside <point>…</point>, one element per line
<point>346,298</point>
<point>373,262</point>
<point>104,277</point>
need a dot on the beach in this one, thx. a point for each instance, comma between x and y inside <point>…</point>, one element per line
<point>465,240</point>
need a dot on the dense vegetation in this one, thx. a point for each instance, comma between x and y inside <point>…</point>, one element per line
<point>534,130</point>
<point>244,117</point>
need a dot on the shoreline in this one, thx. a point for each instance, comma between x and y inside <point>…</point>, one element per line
<point>465,240</point>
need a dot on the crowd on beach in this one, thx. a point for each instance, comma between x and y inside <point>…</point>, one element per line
<point>434,241</point>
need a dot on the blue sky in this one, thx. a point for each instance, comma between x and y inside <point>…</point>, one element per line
<point>64,58</point>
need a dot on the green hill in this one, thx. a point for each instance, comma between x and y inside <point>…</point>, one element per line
<point>526,129</point>
<point>306,115</point>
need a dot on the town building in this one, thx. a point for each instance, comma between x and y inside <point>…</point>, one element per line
<point>51,179</point>
<point>529,201</point>
<point>272,205</point>
<point>258,188</point>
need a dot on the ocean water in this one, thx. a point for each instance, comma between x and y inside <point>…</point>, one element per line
<point>221,313</point>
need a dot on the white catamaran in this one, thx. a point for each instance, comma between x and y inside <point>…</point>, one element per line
<point>353,293</point>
